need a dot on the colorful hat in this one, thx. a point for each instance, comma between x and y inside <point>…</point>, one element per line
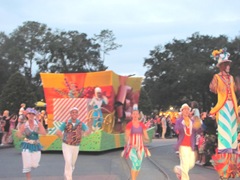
<point>185,105</point>
<point>31,111</point>
<point>221,56</point>
<point>97,89</point>
<point>135,107</point>
<point>74,108</point>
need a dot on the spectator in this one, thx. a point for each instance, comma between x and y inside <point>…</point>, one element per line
<point>210,132</point>
<point>6,127</point>
<point>164,126</point>
<point>13,121</point>
<point>43,118</point>
<point>21,119</point>
<point>22,109</point>
<point>1,129</point>
<point>201,147</point>
<point>169,126</point>
<point>158,126</point>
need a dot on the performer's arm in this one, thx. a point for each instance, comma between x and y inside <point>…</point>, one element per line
<point>145,135</point>
<point>105,100</point>
<point>59,132</point>
<point>41,129</point>
<point>20,132</point>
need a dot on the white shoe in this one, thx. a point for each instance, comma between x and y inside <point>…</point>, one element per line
<point>178,172</point>
<point>197,162</point>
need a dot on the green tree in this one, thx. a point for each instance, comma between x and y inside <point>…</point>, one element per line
<point>181,71</point>
<point>29,41</point>
<point>106,40</point>
<point>4,64</point>
<point>16,91</point>
<point>71,52</point>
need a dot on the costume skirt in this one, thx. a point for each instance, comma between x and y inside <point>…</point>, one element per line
<point>226,159</point>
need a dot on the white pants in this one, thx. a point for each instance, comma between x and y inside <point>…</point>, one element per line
<point>187,161</point>
<point>30,160</point>
<point>70,154</point>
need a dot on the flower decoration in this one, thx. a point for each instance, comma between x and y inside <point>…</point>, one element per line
<point>216,53</point>
<point>73,91</point>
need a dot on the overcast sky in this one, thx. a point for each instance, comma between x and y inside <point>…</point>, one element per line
<point>138,25</point>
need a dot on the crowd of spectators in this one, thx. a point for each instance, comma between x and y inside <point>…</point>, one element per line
<point>10,122</point>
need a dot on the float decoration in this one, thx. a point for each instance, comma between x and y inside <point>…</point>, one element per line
<point>65,90</point>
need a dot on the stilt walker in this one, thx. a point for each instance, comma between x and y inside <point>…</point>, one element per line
<point>226,160</point>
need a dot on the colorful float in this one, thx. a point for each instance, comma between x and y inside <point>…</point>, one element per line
<point>65,90</point>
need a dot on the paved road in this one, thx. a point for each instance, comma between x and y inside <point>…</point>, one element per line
<point>102,166</point>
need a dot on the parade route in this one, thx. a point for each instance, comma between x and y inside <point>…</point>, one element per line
<point>107,165</point>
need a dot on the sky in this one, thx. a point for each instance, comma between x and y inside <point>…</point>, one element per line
<point>138,25</point>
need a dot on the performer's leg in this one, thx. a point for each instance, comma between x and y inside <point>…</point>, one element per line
<point>67,154</point>
<point>75,152</point>
<point>187,161</point>
<point>136,163</point>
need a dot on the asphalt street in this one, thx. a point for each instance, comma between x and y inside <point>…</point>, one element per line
<point>107,165</point>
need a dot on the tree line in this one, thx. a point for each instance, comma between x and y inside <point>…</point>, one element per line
<point>34,47</point>
<point>177,72</point>
<point>180,72</point>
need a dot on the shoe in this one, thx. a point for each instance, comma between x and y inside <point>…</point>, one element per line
<point>207,164</point>
<point>197,162</point>
<point>178,171</point>
<point>222,178</point>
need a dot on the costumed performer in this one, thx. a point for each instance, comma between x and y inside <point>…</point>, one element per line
<point>70,132</point>
<point>135,136</point>
<point>226,160</point>
<point>31,147</point>
<point>97,101</point>
<point>186,130</point>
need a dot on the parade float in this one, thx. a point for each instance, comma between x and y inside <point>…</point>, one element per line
<point>66,90</point>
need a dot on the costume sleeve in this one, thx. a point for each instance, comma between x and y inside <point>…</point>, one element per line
<point>129,125</point>
<point>62,127</point>
<point>213,85</point>
<point>92,102</point>
<point>105,100</point>
<point>84,127</point>
<point>177,125</point>
<point>143,126</point>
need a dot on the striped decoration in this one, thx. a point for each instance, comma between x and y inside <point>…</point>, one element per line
<point>227,128</point>
<point>53,130</point>
<point>61,107</point>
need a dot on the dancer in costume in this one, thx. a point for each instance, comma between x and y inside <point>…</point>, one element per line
<point>135,136</point>
<point>226,160</point>
<point>31,147</point>
<point>97,101</point>
<point>186,130</point>
<point>71,137</point>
